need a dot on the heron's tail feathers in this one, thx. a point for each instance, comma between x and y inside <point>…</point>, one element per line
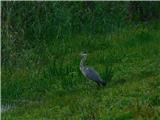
<point>103,82</point>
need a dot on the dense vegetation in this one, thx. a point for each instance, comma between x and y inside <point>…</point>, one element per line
<point>41,42</point>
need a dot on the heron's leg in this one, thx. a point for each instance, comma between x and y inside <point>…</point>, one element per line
<point>98,84</point>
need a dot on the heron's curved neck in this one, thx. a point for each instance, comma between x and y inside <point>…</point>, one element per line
<point>82,63</point>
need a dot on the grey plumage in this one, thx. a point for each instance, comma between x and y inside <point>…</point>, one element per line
<point>90,73</point>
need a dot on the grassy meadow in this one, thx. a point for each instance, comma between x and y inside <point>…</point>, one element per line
<point>42,80</point>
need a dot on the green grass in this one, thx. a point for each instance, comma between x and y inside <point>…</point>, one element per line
<point>47,81</point>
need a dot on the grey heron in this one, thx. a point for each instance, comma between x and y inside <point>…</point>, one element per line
<point>89,72</point>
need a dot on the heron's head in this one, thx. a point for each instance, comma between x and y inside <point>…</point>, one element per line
<point>83,54</point>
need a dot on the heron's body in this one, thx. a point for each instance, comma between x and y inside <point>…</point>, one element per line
<point>90,73</point>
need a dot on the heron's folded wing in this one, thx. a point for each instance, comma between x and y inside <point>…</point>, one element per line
<point>92,74</point>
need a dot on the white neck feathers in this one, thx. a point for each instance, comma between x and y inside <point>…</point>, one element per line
<point>82,63</point>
